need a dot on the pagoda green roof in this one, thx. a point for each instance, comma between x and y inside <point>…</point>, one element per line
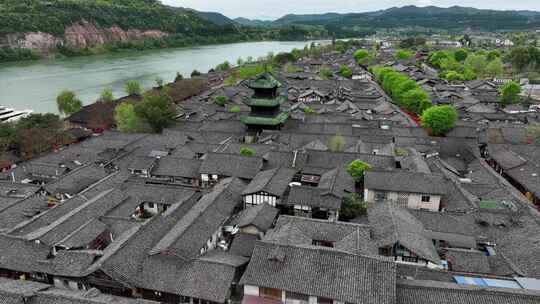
<point>263,102</point>
<point>264,81</point>
<point>265,121</point>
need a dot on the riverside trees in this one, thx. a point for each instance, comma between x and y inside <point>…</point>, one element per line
<point>405,91</point>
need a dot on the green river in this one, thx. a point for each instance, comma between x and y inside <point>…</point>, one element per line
<point>35,85</point>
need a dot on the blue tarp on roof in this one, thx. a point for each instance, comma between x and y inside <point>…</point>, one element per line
<point>487,282</point>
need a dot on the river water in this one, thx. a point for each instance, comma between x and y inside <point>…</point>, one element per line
<point>35,85</point>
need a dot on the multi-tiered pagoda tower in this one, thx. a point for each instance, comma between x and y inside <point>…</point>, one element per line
<point>265,105</point>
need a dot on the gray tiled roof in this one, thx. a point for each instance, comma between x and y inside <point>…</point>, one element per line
<point>404,181</point>
<point>261,216</point>
<point>507,159</point>
<point>177,167</point>
<point>392,224</point>
<point>69,222</point>
<point>330,160</point>
<point>27,292</point>
<point>243,244</point>
<point>77,180</point>
<point>142,163</point>
<point>231,165</point>
<point>429,292</point>
<point>471,261</point>
<point>134,266</point>
<point>313,197</point>
<point>82,236</point>
<point>35,168</point>
<point>274,181</point>
<point>349,237</point>
<point>337,181</point>
<point>321,272</point>
<point>191,233</point>
<point>447,222</point>
<point>20,211</point>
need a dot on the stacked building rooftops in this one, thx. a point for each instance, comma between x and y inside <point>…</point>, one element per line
<point>188,216</point>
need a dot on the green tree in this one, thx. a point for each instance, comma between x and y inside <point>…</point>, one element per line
<point>352,207</point>
<point>157,110</point>
<point>224,66</point>
<point>68,103</point>
<point>510,93</point>
<point>453,76</point>
<point>126,119</point>
<point>247,151</point>
<point>357,169</point>
<point>362,57</point>
<point>440,119</point>
<point>519,56</point>
<point>39,121</point>
<point>337,143</point>
<point>525,58</point>
<point>38,133</point>
<point>107,95</point>
<point>403,54</point>
<point>469,74</point>
<point>235,109</point>
<point>460,55</point>
<point>221,100</point>
<point>195,73</point>
<point>476,63</point>
<point>402,87</point>
<point>436,58</point>
<point>344,71</point>
<point>450,64</point>
<point>178,77</point>
<point>326,73</point>
<point>494,67</point>
<point>133,87</point>
<point>392,80</point>
<point>416,101</point>
<point>309,110</point>
<point>492,55</point>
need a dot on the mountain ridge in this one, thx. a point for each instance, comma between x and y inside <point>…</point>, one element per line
<point>428,16</point>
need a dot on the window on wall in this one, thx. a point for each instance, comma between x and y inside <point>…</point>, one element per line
<point>403,199</point>
<point>426,198</point>
<point>380,195</point>
<point>322,243</point>
<point>296,297</point>
<point>324,301</point>
<point>270,293</point>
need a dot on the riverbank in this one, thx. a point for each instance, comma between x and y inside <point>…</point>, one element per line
<point>35,84</point>
<point>8,55</point>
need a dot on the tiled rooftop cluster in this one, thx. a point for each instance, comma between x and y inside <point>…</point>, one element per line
<point>184,217</point>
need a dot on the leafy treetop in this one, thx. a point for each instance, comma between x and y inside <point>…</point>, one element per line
<point>68,103</point>
<point>107,95</point>
<point>133,87</point>
<point>247,151</point>
<point>439,119</point>
<point>157,110</point>
<point>357,168</point>
<point>337,143</point>
<point>510,93</point>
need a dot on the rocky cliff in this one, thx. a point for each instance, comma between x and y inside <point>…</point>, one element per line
<point>80,35</point>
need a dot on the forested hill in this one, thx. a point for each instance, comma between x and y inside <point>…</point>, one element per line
<point>54,16</point>
<point>452,18</point>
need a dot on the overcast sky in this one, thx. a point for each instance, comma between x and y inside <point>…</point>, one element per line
<point>271,9</point>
